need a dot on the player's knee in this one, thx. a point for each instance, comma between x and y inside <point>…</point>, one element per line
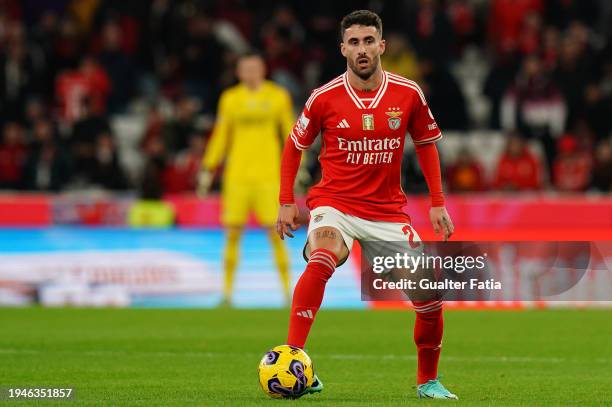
<point>330,239</point>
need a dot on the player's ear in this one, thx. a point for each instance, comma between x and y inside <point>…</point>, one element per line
<point>343,49</point>
<point>383,46</point>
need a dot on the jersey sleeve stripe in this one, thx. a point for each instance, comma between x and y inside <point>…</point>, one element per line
<point>411,87</point>
<point>429,140</point>
<point>330,85</point>
<point>409,84</point>
<point>324,87</point>
<point>319,90</point>
<point>401,78</point>
<point>298,145</point>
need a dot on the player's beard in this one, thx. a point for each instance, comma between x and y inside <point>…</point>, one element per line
<point>364,74</point>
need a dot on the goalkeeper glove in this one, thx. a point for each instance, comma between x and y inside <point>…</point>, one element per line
<point>205,178</point>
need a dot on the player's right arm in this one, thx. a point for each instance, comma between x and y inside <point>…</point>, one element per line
<point>301,136</point>
<point>217,146</point>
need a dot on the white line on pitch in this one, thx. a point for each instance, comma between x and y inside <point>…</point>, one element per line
<point>341,356</point>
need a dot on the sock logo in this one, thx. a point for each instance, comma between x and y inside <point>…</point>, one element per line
<point>306,314</point>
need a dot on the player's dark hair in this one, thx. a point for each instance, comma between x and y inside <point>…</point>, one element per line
<point>253,53</point>
<point>361,17</point>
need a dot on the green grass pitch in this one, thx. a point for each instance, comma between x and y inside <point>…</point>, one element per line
<point>365,358</point>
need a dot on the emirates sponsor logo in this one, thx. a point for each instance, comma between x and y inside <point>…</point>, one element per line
<point>367,144</point>
<point>369,151</point>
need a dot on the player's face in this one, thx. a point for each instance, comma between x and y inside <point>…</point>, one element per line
<point>251,70</point>
<point>362,47</point>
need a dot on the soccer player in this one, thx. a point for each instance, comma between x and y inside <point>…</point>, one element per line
<point>252,117</point>
<point>363,116</point>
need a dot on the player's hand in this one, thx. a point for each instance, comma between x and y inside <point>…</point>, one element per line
<point>205,178</point>
<point>287,220</point>
<point>441,221</point>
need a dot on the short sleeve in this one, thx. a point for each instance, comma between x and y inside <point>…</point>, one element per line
<point>307,127</point>
<point>422,126</point>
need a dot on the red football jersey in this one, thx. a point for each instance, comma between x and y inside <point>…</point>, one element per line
<point>363,141</point>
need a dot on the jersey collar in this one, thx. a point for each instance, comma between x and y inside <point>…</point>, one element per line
<point>359,102</point>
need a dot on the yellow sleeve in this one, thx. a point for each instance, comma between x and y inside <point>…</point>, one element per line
<point>216,148</point>
<point>287,118</point>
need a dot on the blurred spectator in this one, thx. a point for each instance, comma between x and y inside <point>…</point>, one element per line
<point>43,132</point>
<point>518,168</point>
<point>534,106</point>
<point>573,74</point>
<point>444,96</point>
<point>154,127</point>
<point>47,168</point>
<point>601,179</point>
<point>499,79</point>
<point>505,22</point>
<point>84,137</point>
<point>463,20</point>
<point>572,167</point>
<point>150,210</point>
<point>154,178</point>
<point>35,110</point>
<point>119,67</point>
<point>89,81</point>
<point>201,58</point>
<point>176,132</point>
<point>551,40</point>
<point>68,44</point>
<point>596,110</point>
<point>399,58</point>
<point>284,18</point>
<point>282,39</point>
<point>13,154</point>
<point>106,172</point>
<point>183,173</point>
<point>561,12</point>
<point>465,174</point>
<point>431,32</point>
<point>17,77</point>
<point>530,37</point>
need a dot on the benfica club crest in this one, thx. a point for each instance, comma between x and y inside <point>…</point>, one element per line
<point>394,118</point>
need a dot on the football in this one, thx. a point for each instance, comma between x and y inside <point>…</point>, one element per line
<point>285,372</point>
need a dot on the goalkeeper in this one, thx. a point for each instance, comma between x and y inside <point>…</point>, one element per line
<point>252,119</point>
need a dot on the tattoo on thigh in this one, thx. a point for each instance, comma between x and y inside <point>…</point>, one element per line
<point>325,234</point>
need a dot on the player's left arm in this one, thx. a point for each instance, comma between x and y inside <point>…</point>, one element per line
<point>429,161</point>
<point>425,132</point>
<point>217,146</point>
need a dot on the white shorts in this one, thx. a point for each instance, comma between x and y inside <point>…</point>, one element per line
<point>399,237</point>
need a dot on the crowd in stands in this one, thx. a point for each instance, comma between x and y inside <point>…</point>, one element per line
<point>67,67</point>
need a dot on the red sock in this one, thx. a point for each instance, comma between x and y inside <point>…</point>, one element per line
<point>428,329</point>
<point>308,295</point>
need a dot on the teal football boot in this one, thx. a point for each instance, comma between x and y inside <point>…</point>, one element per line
<point>316,387</point>
<point>433,389</point>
